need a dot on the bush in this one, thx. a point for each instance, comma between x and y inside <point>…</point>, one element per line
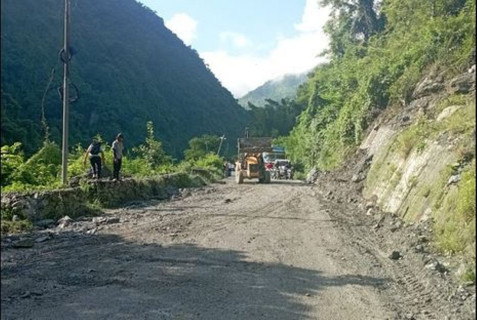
<point>12,158</point>
<point>40,171</point>
<point>455,226</point>
<point>16,226</point>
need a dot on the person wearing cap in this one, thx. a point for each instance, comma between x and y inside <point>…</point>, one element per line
<point>118,148</point>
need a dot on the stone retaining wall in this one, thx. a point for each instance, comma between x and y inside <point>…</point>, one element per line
<point>74,202</point>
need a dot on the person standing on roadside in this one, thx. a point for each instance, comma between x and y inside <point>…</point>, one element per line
<point>96,157</point>
<point>118,148</point>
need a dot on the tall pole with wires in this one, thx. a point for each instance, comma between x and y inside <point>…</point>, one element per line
<point>222,138</point>
<point>65,57</point>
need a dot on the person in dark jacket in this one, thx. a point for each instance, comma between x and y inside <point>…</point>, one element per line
<point>95,153</point>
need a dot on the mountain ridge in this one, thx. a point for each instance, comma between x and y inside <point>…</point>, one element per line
<point>275,89</point>
<point>129,69</point>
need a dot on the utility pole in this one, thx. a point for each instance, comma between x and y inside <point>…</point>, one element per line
<point>222,138</point>
<point>65,55</point>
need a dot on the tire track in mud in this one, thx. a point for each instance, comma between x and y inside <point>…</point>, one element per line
<point>243,214</point>
<point>150,223</point>
<point>420,298</point>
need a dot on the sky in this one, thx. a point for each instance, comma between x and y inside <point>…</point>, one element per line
<point>248,42</point>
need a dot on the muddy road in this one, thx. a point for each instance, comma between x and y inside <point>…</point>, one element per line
<point>227,251</point>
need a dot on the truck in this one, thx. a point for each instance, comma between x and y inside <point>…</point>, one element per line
<point>250,163</point>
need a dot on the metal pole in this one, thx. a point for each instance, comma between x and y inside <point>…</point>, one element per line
<point>222,138</point>
<point>66,98</point>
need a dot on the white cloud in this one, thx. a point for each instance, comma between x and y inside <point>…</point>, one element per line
<point>242,73</point>
<point>314,17</point>
<point>236,73</point>
<point>237,39</point>
<point>184,26</point>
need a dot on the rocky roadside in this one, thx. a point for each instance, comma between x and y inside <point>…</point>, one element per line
<point>405,247</point>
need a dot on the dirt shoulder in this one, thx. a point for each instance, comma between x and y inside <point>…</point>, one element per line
<point>278,251</point>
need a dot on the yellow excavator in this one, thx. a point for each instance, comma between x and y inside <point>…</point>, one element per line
<point>250,164</point>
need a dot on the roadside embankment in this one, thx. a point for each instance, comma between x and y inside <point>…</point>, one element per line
<point>45,207</point>
<point>418,163</point>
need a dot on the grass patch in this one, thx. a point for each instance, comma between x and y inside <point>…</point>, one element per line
<point>379,166</point>
<point>438,189</point>
<point>455,221</point>
<point>16,226</point>
<point>468,275</point>
<point>415,137</point>
<point>452,100</point>
<point>462,121</point>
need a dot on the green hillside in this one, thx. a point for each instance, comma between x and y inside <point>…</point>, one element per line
<point>284,88</point>
<point>396,65</point>
<point>128,68</point>
<point>378,52</point>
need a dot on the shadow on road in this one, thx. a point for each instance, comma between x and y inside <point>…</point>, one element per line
<point>75,276</point>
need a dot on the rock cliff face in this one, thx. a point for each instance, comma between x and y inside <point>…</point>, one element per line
<point>417,164</point>
<point>419,153</point>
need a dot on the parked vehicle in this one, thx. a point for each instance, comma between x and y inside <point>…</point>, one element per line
<point>283,169</point>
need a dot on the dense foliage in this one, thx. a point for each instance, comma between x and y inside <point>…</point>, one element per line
<point>43,169</point>
<point>199,147</point>
<point>275,119</point>
<point>378,52</point>
<point>129,69</point>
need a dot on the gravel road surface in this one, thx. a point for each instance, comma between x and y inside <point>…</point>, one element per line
<point>227,251</point>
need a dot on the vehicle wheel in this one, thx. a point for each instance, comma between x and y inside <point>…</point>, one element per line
<point>267,177</point>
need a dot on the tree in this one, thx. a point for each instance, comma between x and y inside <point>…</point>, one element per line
<point>354,21</point>
<point>199,147</point>
<point>151,150</point>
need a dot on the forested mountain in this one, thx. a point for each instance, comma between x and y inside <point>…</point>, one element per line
<point>278,89</point>
<point>128,68</point>
<point>275,118</point>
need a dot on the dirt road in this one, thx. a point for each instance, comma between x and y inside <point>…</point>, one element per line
<point>278,251</point>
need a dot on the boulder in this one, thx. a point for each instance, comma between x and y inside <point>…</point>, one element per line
<point>112,220</point>
<point>427,87</point>
<point>99,220</point>
<point>422,102</point>
<point>395,255</point>
<point>419,248</point>
<point>312,175</point>
<point>45,223</point>
<point>447,112</point>
<point>24,243</point>
<point>435,265</point>
<point>64,222</point>
<point>453,179</point>
<point>463,83</point>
